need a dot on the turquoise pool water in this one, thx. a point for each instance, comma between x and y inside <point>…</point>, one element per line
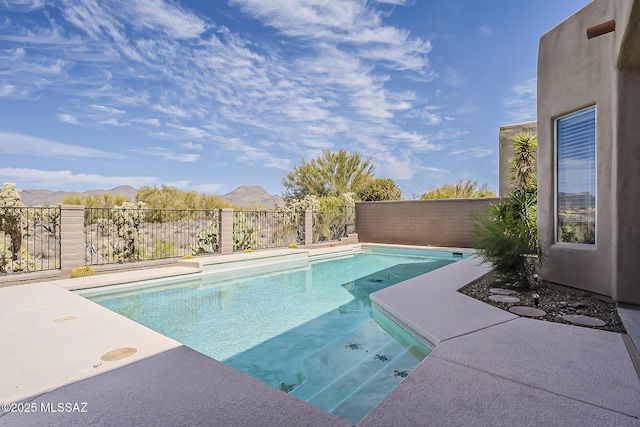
<point>308,330</point>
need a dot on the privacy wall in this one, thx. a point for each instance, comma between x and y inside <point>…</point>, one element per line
<point>446,222</point>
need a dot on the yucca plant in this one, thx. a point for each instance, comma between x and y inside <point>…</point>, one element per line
<point>507,233</point>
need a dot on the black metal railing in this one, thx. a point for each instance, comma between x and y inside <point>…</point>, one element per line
<point>116,235</point>
<point>29,239</point>
<point>267,229</point>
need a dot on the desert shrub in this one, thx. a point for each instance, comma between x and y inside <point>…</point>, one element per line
<point>246,232</point>
<point>506,233</point>
<point>11,217</point>
<point>463,189</point>
<point>292,215</point>
<point>207,239</point>
<point>163,249</point>
<point>377,189</point>
<point>334,218</point>
<point>82,271</point>
<point>123,222</point>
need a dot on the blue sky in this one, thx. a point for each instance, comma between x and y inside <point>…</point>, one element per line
<point>210,95</point>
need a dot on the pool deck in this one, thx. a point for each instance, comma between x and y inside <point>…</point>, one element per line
<point>489,367</point>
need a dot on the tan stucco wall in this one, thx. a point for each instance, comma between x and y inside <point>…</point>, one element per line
<point>420,222</point>
<point>507,133</point>
<point>574,73</point>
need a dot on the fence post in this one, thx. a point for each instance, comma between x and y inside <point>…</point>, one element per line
<point>226,231</point>
<point>308,227</point>
<point>72,246</point>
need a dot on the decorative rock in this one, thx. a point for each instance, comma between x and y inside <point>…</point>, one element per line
<point>521,310</point>
<point>502,291</point>
<point>504,298</point>
<point>582,312</point>
<point>579,319</point>
<point>562,304</point>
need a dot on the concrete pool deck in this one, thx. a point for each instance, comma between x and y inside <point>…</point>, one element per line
<point>489,367</point>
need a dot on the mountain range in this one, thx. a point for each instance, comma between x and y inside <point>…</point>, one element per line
<point>245,195</point>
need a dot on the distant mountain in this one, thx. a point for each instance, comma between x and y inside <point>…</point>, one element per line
<point>245,196</point>
<point>31,197</point>
<point>251,195</point>
<point>576,200</point>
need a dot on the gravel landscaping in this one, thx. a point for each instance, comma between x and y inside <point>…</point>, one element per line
<point>556,301</point>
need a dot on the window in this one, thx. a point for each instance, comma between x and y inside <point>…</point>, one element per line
<point>576,177</point>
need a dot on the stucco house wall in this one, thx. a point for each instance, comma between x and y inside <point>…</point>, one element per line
<point>575,72</point>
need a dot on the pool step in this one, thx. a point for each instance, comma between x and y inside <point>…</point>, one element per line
<point>356,405</point>
<point>338,358</point>
<point>334,359</point>
<point>341,388</point>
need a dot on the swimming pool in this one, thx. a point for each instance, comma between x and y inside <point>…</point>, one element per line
<point>307,329</point>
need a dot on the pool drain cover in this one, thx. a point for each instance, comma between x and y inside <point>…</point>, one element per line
<point>118,354</point>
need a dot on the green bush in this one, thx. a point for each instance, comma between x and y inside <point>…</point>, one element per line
<point>507,233</point>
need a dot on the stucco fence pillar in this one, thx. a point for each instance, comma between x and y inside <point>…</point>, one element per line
<point>308,227</point>
<point>225,231</point>
<point>72,245</point>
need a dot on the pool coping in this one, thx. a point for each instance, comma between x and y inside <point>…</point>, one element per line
<point>472,358</point>
<point>491,367</point>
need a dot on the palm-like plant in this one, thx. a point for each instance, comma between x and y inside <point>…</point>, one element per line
<point>523,163</point>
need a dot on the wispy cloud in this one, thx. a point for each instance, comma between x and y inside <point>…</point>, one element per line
<point>21,5</point>
<point>14,143</point>
<point>7,90</point>
<point>169,155</point>
<point>521,106</point>
<point>68,118</point>
<point>486,30</point>
<point>208,188</point>
<point>159,67</point>
<point>172,20</point>
<point>60,179</point>
<point>192,146</point>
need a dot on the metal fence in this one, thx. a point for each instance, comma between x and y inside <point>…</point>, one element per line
<point>116,235</point>
<point>333,223</point>
<point>29,239</point>
<point>267,229</point>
